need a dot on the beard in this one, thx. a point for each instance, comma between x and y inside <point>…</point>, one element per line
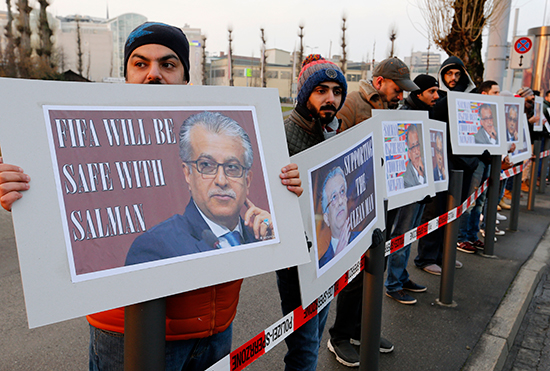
<point>329,113</point>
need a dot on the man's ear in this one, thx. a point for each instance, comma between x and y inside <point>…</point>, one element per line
<point>187,173</point>
<point>325,218</point>
<point>248,181</point>
<point>377,82</point>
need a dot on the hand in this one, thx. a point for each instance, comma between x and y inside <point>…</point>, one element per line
<point>512,148</point>
<point>12,182</point>
<point>259,220</point>
<point>506,163</point>
<point>343,238</point>
<point>290,177</point>
<point>534,119</point>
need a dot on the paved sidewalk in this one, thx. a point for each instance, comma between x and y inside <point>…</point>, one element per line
<point>531,349</point>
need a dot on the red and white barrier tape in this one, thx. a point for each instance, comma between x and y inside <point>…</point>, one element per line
<point>544,154</point>
<point>262,343</point>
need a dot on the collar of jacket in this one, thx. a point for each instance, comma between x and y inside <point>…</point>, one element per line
<point>371,95</point>
<point>310,125</point>
<point>416,104</point>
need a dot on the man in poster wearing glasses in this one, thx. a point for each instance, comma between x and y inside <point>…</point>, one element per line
<point>416,171</point>
<point>486,133</point>
<point>217,157</point>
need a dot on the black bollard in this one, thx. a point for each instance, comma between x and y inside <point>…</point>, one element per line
<point>449,245</point>
<point>492,203</point>
<point>533,180</point>
<point>144,336</point>
<point>544,167</point>
<point>371,316</point>
<point>514,212</point>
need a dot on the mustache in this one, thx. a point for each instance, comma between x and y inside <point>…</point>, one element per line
<point>222,192</point>
<point>155,82</point>
<point>328,107</point>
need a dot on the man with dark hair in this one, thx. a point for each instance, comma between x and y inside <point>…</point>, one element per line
<point>489,87</point>
<point>322,90</point>
<point>199,322</point>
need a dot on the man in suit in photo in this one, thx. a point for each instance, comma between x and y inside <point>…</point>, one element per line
<point>486,133</point>
<point>416,171</point>
<point>439,168</point>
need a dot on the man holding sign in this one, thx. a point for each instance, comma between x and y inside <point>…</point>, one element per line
<point>199,322</point>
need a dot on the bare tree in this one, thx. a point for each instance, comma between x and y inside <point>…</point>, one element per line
<point>204,75</point>
<point>79,53</point>
<point>344,60</point>
<point>393,37</point>
<point>230,57</point>
<point>10,65</point>
<point>456,27</point>
<point>45,49</point>
<point>23,39</point>
<point>301,50</point>
<point>263,61</point>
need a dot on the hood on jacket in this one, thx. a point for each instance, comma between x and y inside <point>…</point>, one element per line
<point>465,84</point>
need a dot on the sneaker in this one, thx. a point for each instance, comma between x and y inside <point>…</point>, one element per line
<point>504,205</point>
<point>499,232</point>
<point>466,247</point>
<point>344,352</point>
<point>401,296</point>
<point>458,264</point>
<point>432,269</point>
<point>385,345</point>
<point>414,287</point>
<point>478,244</point>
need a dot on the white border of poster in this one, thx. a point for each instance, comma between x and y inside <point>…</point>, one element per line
<point>539,104</point>
<point>406,196</point>
<point>50,295</point>
<point>313,280</point>
<point>434,125</point>
<point>520,155</point>
<point>468,121</point>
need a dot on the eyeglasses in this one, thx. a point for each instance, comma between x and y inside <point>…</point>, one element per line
<point>341,195</point>
<point>415,147</point>
<point>210,167</point>
<point>485,119</point>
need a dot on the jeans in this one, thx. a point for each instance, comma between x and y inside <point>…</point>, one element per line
<point>409,217</point>
<point>107,351</point>
<point>303,344</point>
<point>469,220</point>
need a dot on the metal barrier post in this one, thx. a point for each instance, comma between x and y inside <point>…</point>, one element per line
<point>533,180</point>
<point>449,245</point>
<point>144,336</point>
<point>514,212</point>
<point>492,202</point>
<point>544,167</point>
<point>371,317</point>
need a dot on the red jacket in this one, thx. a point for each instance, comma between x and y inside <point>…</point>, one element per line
<point>190,315</point>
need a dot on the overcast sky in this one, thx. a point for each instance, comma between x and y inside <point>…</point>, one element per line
<point>369,22</point>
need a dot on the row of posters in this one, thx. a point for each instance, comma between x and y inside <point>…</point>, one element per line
<point>153,192</point>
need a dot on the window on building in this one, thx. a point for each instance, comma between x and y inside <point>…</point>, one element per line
<point>219,73</point>
<point>238,73</point>
<point>272,74</point>
<point>353,77</point>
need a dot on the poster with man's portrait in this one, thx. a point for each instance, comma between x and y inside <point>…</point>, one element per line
<point>538,105</point>
<point>343,191</point>
<point>513,112</point>
<point>145,191</point>
<point>476,123</point>
<point>341,206</point>
<point>438,151</point>
<point>407,164</point>
<point>145,186</point>
<point>523,150</point>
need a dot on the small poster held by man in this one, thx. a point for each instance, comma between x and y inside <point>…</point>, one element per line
<point>476,123</point>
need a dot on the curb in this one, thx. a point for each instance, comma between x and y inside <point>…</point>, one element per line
<point>492,349</point>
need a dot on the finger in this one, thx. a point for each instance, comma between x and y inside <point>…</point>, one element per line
<point>297,190</point>
<point>8,199</point>
<point>289,167</point>
<point>249,215</point>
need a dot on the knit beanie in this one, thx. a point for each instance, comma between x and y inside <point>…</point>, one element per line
<point>424,82</point>
<point>315,70</point>
<point>162,34</point>
<point>525,92</point>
